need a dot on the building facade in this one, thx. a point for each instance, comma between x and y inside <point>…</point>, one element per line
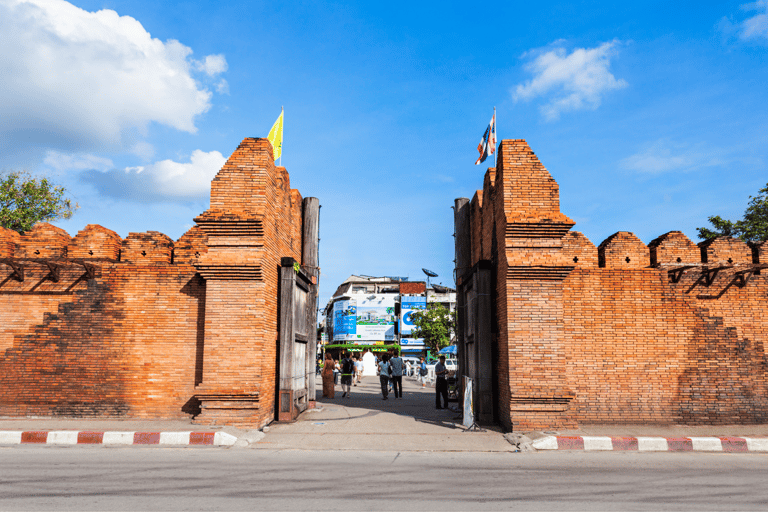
<point>374,313</point>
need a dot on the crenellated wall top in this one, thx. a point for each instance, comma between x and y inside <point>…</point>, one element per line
<point>97,243</point>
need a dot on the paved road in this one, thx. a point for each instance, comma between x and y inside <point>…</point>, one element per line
<point>96,478</point>
<point>364,453</point>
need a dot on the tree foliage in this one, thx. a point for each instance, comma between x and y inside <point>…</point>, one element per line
<point>435,324</point>
<point>753,227</point>
<point>25,200</point>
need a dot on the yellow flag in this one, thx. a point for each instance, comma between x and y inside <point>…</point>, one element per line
<point>276,136</point>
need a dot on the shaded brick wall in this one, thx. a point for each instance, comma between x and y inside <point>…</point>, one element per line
<point>645,350</point>
<point>666,333</point>
<point>123,343</point>
<point>147,327</point>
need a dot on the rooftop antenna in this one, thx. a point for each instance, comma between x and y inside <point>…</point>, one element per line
<point>429,274</point>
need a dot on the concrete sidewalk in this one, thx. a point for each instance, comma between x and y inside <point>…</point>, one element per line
<point>365,421</point>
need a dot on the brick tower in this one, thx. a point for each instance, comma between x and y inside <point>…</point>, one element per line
<point>254,220</point>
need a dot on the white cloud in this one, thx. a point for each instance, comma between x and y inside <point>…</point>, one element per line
<point>76,161</point>
<point>163,180</point>
<point>78,80</point>
<point>663,156</point>
<point>222,87</point>
<point>212,65</point>
<point>143,150</point>
<point>574,81</point>
<point>752,28</point>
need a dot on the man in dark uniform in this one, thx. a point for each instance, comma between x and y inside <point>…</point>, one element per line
<point>441,384</point>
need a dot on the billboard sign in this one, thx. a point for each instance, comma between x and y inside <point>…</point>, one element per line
<point>344,320</point>
<point>375,318</point>
<point>409,305</point>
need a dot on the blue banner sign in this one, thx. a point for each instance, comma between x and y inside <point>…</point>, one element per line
<point>344,320</point>
<point>408,306</point>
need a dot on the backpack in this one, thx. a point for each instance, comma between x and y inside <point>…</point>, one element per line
<point>347,366</point>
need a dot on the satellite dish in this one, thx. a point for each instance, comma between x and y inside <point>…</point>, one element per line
<point>429,272</point>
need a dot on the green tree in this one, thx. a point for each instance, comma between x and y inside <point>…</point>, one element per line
<point>753,227</point>
<point>435,324</point>
<point>25,200</point>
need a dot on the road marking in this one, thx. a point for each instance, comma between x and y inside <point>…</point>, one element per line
<point>62,437</point>
<point>757,445</point>
<point>597,443</point>
<point>652,444</point>
<point>10,437</point>
<point>117,438</point>
<point>707,444</point>
<point>174,438</point>
<point>546,443</point>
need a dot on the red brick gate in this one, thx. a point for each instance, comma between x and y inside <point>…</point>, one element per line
<point>98,326</point>
<point>621,333</point>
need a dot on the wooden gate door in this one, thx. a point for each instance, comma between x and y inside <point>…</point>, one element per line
<point>297,340</point>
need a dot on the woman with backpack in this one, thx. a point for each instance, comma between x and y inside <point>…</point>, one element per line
<point>383,371</point>
<point>423,372</point>
<point>347,369</point>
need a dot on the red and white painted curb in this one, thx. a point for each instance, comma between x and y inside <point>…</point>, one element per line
<point>653,444</point>
<point>69,437</point>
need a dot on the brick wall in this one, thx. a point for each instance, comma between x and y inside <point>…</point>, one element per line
<point>147,327</point>
<point>620,333</point>
<point>413,288</point>
<point>121,344</point>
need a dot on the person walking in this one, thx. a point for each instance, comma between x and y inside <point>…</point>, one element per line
<point>347,369</point>
<point>396,363</point>
<point>336,371</point>
<point>328,386</point>
<point>358,371</point>
<point>423,372</point>
<point>441,384</point>
<point>383,371</point>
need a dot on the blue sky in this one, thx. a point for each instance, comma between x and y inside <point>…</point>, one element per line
<point>650,115</point>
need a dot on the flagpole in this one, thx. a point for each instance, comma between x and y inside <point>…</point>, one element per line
<point>495,129</point>
<point>282,114</point>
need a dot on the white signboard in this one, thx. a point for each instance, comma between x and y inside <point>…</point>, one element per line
<point>414,343</point>
<point>375,317</point>
<point>469,406</point>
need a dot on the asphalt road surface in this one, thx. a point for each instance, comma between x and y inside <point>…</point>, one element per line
<point>99,478</point>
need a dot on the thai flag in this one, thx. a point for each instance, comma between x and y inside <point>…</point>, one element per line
<point>487,144</point>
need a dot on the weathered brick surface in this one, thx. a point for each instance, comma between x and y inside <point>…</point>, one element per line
<point>725,251</point>
<point>43,241</point>
<point>145,327</point>
<point>623,333</point>
<point>644,350</point>
<point>623,250</point>
<point>95,242</point>
<point>580,250</point>
<point>673,248</point>
<point>9,239</point>
<point>759,252</point>
<point>253,221</point>
<point>151,248</point>
<point>413,288</point>
<point>123,344</point>
<point>191,246</point>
